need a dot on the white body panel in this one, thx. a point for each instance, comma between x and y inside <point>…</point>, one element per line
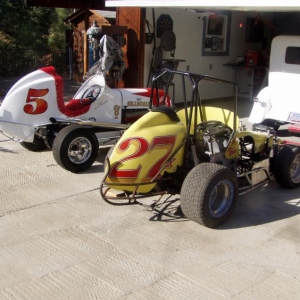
<point>280,100</point>
<point>37,97</point>
<point>13,120</point>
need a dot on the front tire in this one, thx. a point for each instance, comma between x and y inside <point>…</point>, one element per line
<point>75,148</point>
<point>287,166</point>
<point>209,194</point>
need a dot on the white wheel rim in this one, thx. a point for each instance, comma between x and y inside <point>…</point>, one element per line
<point>80,150</point>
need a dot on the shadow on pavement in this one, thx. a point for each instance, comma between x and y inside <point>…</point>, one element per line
<point>264,205</point>
<point>261,206</point>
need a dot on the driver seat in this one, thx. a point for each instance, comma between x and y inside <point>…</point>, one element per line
<point>77,104</point>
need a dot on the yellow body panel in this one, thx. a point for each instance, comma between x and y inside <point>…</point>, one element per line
<point>210,114</point>
<point>153,145</point>
<point>144,152</point>
<point>259,138</point>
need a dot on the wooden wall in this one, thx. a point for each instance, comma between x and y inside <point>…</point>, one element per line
<point>80,45</point>
<point>134,19</point>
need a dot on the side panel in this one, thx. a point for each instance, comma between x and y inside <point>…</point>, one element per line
<point>29,103</point>
<point>145,149</point>
<point>107,108</point>
<point>284,78</point>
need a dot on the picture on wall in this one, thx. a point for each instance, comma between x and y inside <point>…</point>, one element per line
<point>208,43</point>
<point>215,25</point>
<point>216,34</point>
<point>214,43</point>
<point>221,44</point>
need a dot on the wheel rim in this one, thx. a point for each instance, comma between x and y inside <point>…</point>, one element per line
<point>221,198</point>
<point>80,150</point>
<point>295,169</point>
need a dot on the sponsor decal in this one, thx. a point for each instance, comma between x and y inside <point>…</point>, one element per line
<point>138,103</point>
<point>100,104</point>
<point>294,117</point>
<point>116,111</point>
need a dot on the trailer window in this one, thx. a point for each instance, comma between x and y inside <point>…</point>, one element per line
<point>292,55</point>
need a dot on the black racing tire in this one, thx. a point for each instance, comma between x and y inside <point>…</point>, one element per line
<point>287,166</point>
<point>209,194</point>
<point>75,148</point>
<point>37,145</point>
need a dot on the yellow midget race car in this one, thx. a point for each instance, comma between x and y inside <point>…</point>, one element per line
<point>202,153</point>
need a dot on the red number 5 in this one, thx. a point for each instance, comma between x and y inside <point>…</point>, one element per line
<point>40,104</point>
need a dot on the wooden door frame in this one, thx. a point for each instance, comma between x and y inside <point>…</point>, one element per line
<point>134,19</point>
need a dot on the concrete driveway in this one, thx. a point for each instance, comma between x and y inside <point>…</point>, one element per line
<point>60,240</point>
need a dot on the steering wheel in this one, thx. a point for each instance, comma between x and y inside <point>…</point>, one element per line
<point>91,93</point>
<point>210,128</point>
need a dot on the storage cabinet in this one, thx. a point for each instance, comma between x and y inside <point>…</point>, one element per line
<point>249,80</point>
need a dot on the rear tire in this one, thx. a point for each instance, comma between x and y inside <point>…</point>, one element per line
<point>287,166</point>
<point>209,194</point>
<point>75,148</point>
<point>37,145</point>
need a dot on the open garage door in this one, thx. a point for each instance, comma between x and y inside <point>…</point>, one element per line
<point>245,5</point>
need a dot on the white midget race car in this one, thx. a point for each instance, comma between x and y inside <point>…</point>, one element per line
<point>34,114</point>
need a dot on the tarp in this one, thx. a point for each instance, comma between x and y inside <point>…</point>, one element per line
<point>111,57</point>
